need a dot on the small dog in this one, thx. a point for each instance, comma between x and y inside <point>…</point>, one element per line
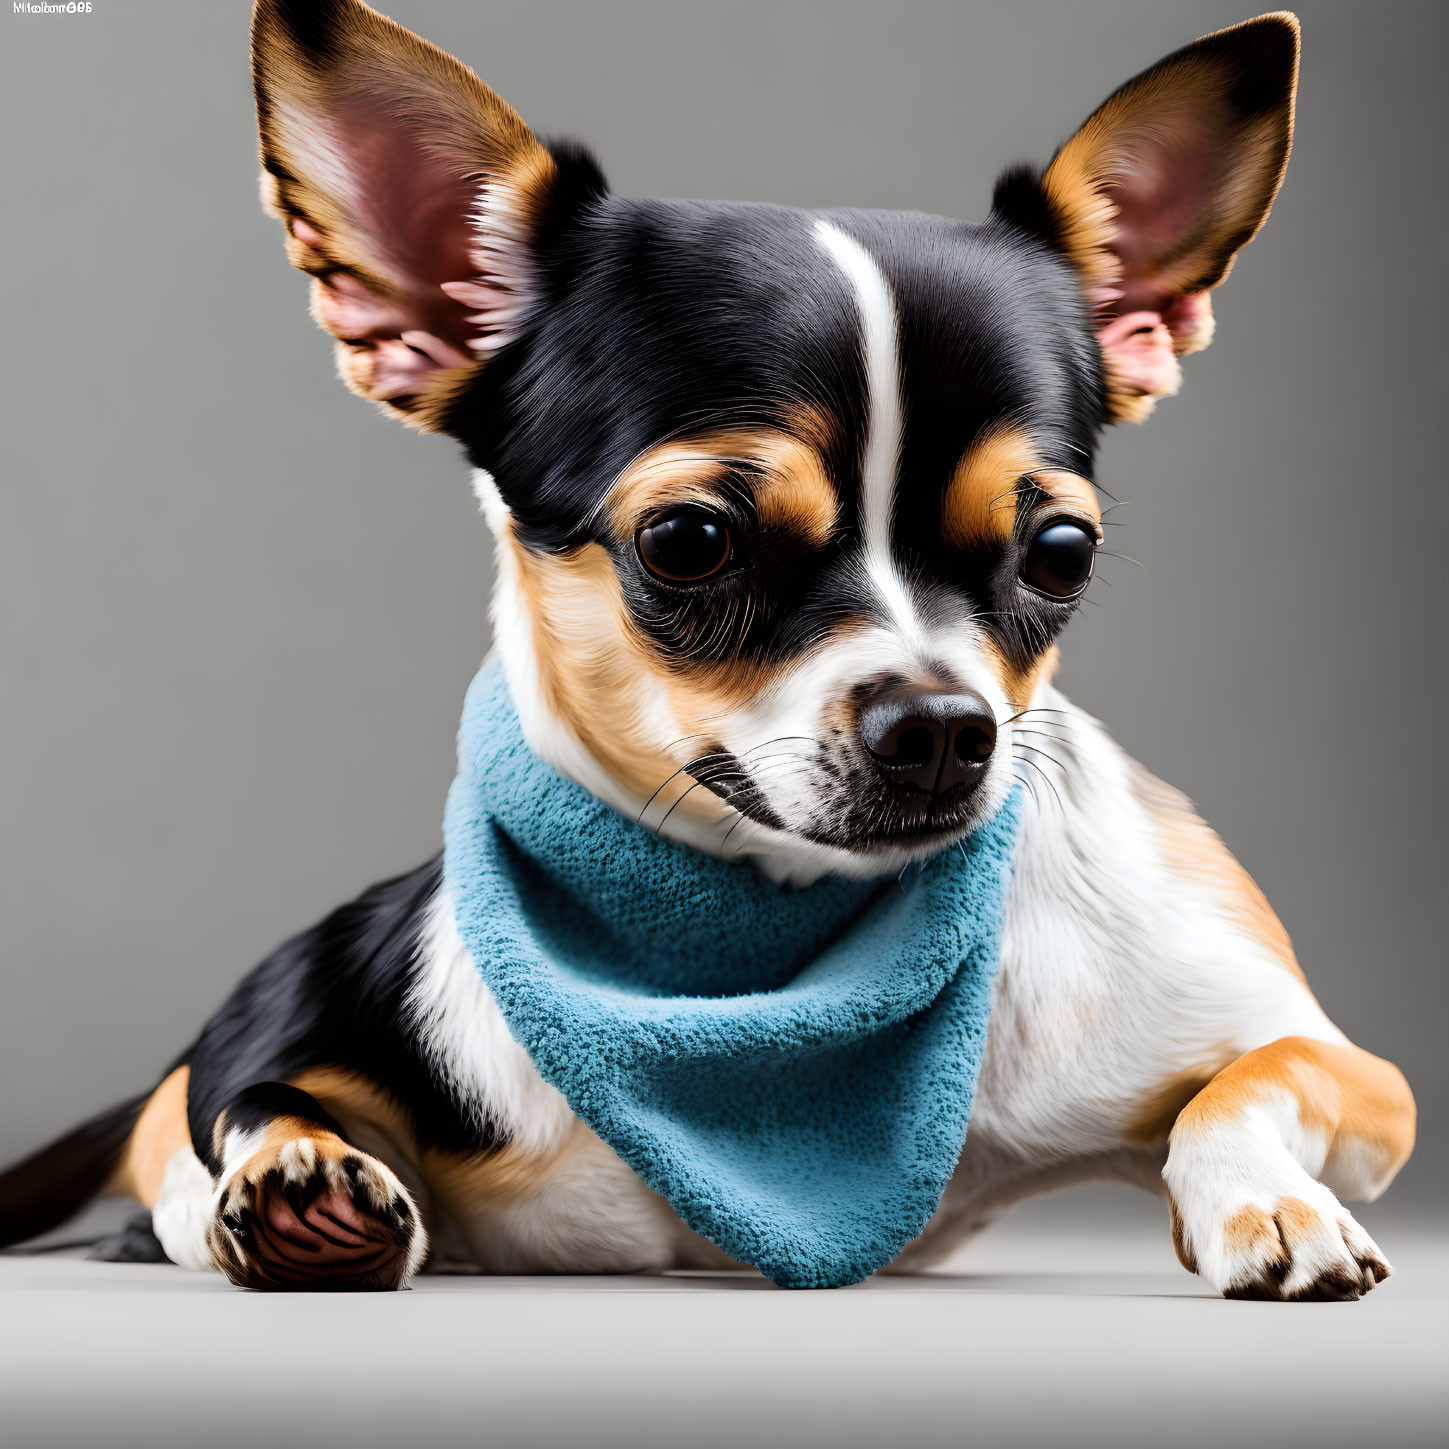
<point>790,509</point>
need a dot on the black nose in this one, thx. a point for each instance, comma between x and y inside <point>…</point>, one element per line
<point>932,741</point>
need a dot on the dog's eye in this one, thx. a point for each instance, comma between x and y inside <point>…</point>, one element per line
<point>1059,560</point>
<point>685,545</point>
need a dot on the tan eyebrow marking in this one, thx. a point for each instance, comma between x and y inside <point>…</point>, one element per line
<point>795,492</point>
<point>1069,488</point>
<point>980,501</point>
<point>673,473</point>
<point>785,471</point>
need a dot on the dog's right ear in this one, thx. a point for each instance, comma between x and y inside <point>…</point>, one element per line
<point>1158,191</point>
<point>412,193</point>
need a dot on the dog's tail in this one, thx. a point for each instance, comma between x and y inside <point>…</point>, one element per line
<point>54,1184</point>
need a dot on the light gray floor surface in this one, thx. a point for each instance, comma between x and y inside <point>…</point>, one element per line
<point>1047,1331</point>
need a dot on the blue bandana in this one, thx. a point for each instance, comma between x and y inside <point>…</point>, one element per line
<point>792,1069</point>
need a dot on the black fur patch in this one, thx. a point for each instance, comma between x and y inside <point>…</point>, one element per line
<point>53,1184</point>
<point>263,1102</point>
<point>335,995</point>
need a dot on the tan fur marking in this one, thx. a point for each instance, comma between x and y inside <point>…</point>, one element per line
<point>1021,685</point>
<point>794,493</point>
<point>1192,848</point>
<point>591,661</point>
<point>980,501</point>
<point>160,1132</point>
<point>351,1093</point>
<point>279,1131</point>
<point>1070,489</point>
<point>1356,1100</point>
<point>1249,1231</point>
<point>667,476</point>
<point>456,1180</point>
<point>784,470</point>
<point>1297,1223</point>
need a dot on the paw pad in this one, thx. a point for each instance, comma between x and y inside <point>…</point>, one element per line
<point>314,1214</point>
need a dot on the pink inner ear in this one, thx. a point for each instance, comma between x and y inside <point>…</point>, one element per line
<point>411,220</point>
<point>1160,193</point>
<point>1164,184</point>
<point>402,355</point>
<point>1143,346</point>
<point>1190,320</point>
<point>410,206</point>
<point>1139,347</point>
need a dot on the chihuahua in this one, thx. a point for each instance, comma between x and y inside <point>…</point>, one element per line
<point>790,509</point>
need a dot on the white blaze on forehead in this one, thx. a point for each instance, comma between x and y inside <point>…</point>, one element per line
<point>881,458</point>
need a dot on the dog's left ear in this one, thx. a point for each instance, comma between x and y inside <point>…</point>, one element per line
<point>1154,196</point>
<point>411,192</point>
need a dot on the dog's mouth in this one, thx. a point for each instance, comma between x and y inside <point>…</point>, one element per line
<point>897,820</point>
<point>851,808</point>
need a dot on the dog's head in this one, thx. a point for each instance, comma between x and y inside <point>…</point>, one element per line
<point>791,507</point>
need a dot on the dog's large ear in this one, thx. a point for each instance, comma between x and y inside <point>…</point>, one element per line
<point>411,193</point>
<point>1157,192</point>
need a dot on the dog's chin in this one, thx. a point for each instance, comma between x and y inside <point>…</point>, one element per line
<point>896,845</point>
<point>877,836</point>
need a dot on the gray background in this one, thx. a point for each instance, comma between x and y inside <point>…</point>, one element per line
<point>240,609</point>
<point>1093,1340</point>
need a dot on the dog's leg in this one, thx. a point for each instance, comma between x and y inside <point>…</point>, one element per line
<point>1254,1159</point>
<point>298,1207</point>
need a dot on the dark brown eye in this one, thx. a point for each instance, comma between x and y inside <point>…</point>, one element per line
<point>684,546</point>
<point>1058,560</point>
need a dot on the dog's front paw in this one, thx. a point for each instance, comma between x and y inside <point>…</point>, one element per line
<point>314,1213</point>
<point>1270,1232</point>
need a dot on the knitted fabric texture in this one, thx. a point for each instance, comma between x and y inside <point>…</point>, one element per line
<point>792,1069</point>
